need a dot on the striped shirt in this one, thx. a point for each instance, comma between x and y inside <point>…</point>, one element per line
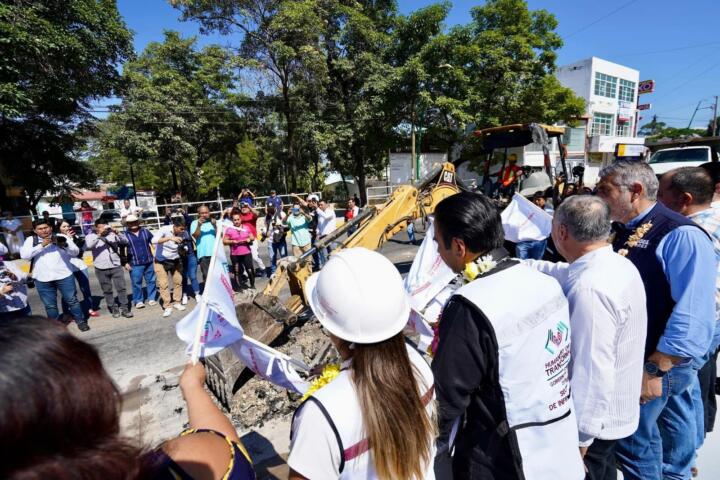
<point>139,252</point>
<point>709,220</point>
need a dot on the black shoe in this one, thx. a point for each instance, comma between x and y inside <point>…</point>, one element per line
<point>83,327</point>
<point>115,312</point>
<point>127,314</point>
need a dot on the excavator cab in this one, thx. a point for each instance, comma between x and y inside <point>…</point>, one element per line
<point>519,135</point>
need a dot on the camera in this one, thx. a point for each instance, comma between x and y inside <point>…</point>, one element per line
<point>578,171</point>
<point>184,248</point>
<point>59,240</point>
<point>106,232</point>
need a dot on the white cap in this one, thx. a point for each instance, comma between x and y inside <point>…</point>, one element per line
<point>312,196</point>
<point>359,296</point>
<point>131,218</point>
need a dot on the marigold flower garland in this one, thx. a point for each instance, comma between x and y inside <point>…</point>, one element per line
<point>328,374</point>
<point>633,239</point>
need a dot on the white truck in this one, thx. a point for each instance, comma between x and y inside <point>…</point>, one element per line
<point>692,152</point>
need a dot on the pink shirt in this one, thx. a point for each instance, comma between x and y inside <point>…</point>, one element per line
<point>242,234</point>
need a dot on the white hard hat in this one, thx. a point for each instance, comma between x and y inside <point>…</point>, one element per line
<point>359,296</point>
<point>312,196</point>
<point>131,218</point>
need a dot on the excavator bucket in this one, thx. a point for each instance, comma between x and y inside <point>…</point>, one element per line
<point>264,319</point>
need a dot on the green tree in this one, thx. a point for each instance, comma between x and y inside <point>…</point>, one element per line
<point>55,59</point>
<point>280,43</point>
<point>179,112</point>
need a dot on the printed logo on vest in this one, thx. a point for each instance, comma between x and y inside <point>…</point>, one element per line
<point>555,338</point>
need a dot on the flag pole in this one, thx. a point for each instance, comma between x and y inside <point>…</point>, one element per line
<point>300,364</point>
<point>204,304</point>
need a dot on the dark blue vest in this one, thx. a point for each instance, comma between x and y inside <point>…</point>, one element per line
<point>657,288</point>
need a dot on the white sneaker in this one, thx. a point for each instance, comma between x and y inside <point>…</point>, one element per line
<point>140,305</point>
<point>152,303</point>
<point>184,299</point>
<point>180,307</point>
<point>167,312</point>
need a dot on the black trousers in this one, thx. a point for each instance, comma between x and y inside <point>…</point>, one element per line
<point>242,263</point>
<point>707,375</point>
<point>109,277</point>
<point>204,267</point>
<point>600,460</point>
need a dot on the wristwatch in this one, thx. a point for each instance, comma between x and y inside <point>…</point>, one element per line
<point>653,370</point>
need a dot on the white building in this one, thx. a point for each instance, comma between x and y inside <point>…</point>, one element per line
<point>610,92</point>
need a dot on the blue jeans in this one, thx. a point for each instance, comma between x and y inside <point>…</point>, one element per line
<point>276,251</point>
<point>663,447</point>
<point>137,273</point>
<point>534,249</point>
<point>48,294</point>
<point>24,312</point>
<point>190,265</point>
<point>84,283</point>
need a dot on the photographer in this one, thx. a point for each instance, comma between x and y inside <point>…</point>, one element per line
<point>204,231</point>
<point>173,242</point>
<point>80,270</point>
<point>51,267</point>
<point>104,244</point>
<point>13,292</point>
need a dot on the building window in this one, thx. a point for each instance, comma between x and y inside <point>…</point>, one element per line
<point>627,91</point>
<point>602,124</point>
<point>605,85</point>
<point>624,129</point>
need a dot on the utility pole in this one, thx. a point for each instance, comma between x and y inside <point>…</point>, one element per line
<point>714,119</point>
<point>412,149</point>
<point>693,115</point>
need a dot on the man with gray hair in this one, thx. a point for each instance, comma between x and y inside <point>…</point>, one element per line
<point>677,264</point>
<point>608,322</point>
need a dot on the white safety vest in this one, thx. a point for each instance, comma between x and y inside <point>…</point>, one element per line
<point>340,405</point>
<point>529,315</point>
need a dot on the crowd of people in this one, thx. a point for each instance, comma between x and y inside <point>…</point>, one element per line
<point>540,369</point>
<point>162,265</point>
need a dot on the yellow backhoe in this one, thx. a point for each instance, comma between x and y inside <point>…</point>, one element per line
<point>273,312</point>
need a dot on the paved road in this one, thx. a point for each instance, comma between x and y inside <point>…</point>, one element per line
<point>145,358</point>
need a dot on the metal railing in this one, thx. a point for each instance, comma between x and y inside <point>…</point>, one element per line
<point>377,195</point>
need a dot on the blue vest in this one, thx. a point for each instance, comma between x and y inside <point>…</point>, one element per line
<point>657,288</point>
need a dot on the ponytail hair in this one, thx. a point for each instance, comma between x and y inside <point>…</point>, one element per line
<point>397,426</point>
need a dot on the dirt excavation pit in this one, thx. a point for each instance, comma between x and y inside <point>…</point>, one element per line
<point>259,401</point>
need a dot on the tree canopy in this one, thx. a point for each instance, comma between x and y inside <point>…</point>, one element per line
<point>56,58</point>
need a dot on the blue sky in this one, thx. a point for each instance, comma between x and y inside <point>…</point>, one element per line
<point>672,42</point>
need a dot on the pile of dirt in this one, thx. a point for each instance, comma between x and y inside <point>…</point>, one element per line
<point>259,401</point>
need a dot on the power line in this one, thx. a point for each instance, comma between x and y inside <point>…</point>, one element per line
<point>595,22</point>
<point>653,52</point>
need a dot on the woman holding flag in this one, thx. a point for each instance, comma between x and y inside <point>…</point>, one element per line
<point>375,418</point>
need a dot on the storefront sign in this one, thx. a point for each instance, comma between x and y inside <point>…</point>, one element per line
<point>627,150</point>
<point>646,86</point>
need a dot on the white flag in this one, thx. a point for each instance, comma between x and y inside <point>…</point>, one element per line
<point>216,310</point>
<point>269,364</point>
<point>522,220</point>
<point>427,278</point>
<point>428,273</point>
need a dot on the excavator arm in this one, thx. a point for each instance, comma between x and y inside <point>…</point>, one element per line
<point>375,225</point>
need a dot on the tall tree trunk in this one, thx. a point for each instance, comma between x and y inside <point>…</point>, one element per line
<point>290,139</point>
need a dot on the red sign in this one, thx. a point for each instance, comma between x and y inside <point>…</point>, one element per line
<point>644,106</point>
<point>646,86</point>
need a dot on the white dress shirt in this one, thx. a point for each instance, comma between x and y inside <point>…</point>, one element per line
<point>608,324</point>
<point>50,263</point>
<point>326,221</point>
